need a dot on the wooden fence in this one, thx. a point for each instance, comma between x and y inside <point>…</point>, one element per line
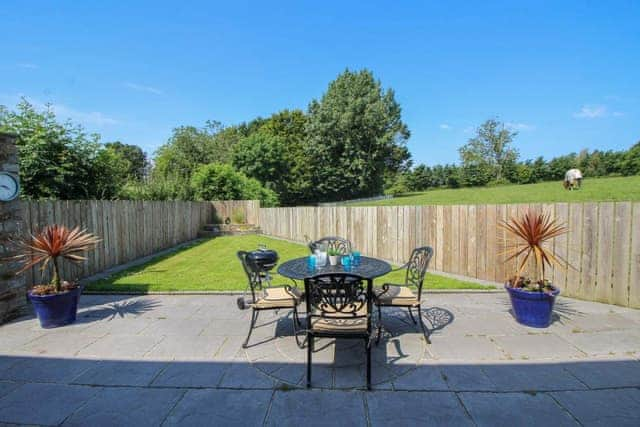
<point>128,229</point>
<point>602,245</point>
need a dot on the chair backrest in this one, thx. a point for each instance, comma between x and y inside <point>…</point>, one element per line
<point>332,242</point>
<point>417,267</point>
<point>338,296</point>
<point>253,273</point>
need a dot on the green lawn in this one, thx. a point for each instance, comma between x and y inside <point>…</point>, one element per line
<point>593,189</point>
<point>212,265</point>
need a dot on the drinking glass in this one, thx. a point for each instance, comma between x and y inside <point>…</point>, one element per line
<point>356,257</point>
<point>311,263</point>
<point>346,263</point>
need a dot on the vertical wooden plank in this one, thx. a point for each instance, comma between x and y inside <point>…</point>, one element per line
<point>440,251</point>
<point>621,254</point>
<point>634,274</point>
<point>605,252</point>
<point>448,237</point>
<point>560,243</point>
<point>481,242</point>
<point>491,239</point>
<point>502,271</point>
<point>472,241</point>
<point>454,260</point>
<point>574,249</point>
<point>589,252</point>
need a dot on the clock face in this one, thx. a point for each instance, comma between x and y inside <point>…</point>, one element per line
<point>9,187</point>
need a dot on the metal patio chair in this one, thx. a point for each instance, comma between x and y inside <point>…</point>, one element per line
<point>331,242</point>
<point>401,295</point>
<point>268,297</point>
<point>338,306</point>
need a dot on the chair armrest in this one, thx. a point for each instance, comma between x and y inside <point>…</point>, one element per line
<point>402,267</point>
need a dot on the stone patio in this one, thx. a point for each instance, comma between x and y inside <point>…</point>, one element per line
<point>152,360</point>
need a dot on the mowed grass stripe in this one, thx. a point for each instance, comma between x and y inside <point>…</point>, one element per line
<point>212,265</point>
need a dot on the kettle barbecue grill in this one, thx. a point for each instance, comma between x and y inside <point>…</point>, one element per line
<point>258,264</point>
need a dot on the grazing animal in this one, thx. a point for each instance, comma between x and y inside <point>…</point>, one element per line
<point>572,179</point>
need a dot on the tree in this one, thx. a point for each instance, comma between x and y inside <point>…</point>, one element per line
<point>630,163</point>
<point>59,161</point>
<point>355,137</point>
<point>490,150</point>
<point>136,159</point>
<point>273,153</point>
<point>217,181</point>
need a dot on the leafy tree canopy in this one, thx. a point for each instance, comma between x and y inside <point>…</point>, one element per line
<point>490,151</point>
<point>355,136</point>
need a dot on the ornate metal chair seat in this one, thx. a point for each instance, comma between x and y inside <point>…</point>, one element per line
<point>278,297</point>
<point>396,295</point>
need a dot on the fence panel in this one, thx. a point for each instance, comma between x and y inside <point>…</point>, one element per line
<point>602,244</point>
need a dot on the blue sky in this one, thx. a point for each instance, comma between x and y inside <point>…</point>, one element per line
<point>564,74</point>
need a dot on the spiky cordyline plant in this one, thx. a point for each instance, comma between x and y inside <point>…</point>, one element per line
<point>52,243</point>
<point>531,231</point>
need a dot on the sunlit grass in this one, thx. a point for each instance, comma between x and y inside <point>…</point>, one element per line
<point>593,189</point>
<point>212,265</point>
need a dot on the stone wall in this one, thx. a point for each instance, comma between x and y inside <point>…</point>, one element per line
<point>12,287</point>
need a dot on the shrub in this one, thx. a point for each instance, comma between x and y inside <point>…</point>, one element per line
<point>218,181</point>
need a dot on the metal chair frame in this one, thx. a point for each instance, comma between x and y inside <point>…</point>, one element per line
<point>416,269</point>
<point>338,297</point>
<point>255,283</point>
<point>332,242</point>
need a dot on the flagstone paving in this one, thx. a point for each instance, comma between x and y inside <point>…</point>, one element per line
<point>168,360</point>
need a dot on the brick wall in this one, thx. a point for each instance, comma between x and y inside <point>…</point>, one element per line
<point>12,288</point>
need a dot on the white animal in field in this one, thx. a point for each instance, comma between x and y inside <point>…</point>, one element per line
<point>572,179</point>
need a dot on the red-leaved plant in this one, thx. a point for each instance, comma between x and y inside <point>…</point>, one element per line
<point>531,231</point>
<point>48,246</point>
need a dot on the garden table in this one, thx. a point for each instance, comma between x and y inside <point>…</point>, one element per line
<point>369,268</point>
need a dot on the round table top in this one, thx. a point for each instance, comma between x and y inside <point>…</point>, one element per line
<point>368,268</point>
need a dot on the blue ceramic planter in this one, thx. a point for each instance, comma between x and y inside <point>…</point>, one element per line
<point>56,310</point>
<point>532,308</point>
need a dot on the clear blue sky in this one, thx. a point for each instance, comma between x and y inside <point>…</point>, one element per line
<point>566,74</point>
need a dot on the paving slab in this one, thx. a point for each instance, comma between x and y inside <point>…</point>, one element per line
<point>465,348</point>
<point>467,378</point>
<point>45,369</point>
<point>515,409</point>
<point>421,378</point>
<point>221,407</point>
<point>48,404</point>
<point>126,406</point>
<point>317,407</point>
<point>185,347</point>
<point>120,373</point>
<point>402,408</point>
<point>607,373</point>
<point>606,342</point>
<point>121,346</point>
<point>191,374</point>
<point>602,407</point>
<point>244,376</point>
<point>531,377</point>
<point>536,347</point>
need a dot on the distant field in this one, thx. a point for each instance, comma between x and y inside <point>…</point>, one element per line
<point>594,189</point>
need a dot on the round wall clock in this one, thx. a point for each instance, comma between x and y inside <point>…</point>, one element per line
<point>9,187</point>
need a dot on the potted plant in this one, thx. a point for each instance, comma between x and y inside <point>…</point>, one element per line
<point>55,303</point>
<point>334,255</point>
<point>532,298</point>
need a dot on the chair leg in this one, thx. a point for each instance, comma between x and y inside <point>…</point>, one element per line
<point>379,325</point>
<point>309,352</point>
<point>368,349</point>
<point>425,330</point>
<point>296,321</point>
<point>411,314</point>
<point>254,318</point>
